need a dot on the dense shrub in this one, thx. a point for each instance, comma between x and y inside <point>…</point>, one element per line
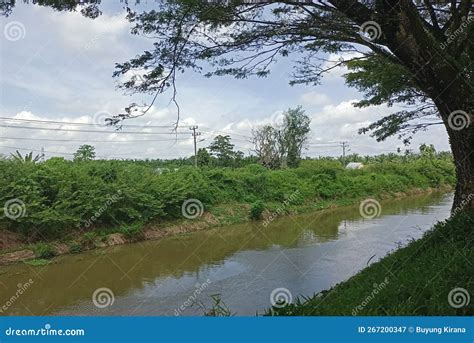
<point>132,231</point>
<point>75,248</point>
<point>256,210</point>
<point>62,196</point>
<point>43,251</point>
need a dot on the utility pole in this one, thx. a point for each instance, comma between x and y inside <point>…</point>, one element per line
<point>195,134</point>
<point>42,154</point>
<point>344,146</point>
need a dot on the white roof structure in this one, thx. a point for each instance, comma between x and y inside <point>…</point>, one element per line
<point>354,165</point>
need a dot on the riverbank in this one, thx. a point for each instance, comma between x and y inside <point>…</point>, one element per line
<point>430,276</point>
<point>227,214</point>
<point>59,206</point>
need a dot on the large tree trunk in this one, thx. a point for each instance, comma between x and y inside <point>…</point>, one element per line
<point>462,146</point>
<point>439,73</point>
<point>455,106</point>
<point>464,196</point>
<point>444,79</point>
<point>455,103</point>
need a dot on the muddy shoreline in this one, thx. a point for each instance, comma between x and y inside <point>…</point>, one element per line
<point>16,253</point>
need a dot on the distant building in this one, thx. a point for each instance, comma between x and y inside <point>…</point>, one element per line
<point>165,170</point>
<point>354,165</point>
<point>162,170</point>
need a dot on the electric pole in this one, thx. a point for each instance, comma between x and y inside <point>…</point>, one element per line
<point>195,134</point>
<point>344,146</point>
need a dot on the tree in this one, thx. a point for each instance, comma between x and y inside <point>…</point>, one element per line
<point>203,158</point>
<point>425,43</point>
<point>294,134</point>
<point>223,150</point>
<point>239,159</point>
<point>267,146</point>
<point>27,158</point>
<point>428,151</point>
<point>282,146</point>
<point>84,153</point>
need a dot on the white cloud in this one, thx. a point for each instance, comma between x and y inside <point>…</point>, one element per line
<point>334,59</point>
<point>79,32</point>
<point>62,71</point>
<point>315,98</point>
<point>345,112</point>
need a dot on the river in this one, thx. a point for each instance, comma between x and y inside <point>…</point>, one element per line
<point>243,263</point>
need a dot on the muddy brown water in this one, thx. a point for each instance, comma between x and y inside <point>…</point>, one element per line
<point>243,263</point>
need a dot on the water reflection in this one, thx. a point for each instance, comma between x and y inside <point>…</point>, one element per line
<point>244,263</point>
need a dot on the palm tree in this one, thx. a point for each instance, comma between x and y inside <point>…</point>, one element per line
<point>27,158</point>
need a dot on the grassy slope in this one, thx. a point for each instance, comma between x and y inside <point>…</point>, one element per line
<point>420,277</point>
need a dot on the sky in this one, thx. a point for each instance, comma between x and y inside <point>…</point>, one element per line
<point>58,66</point>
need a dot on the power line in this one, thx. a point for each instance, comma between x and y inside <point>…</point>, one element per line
<point>209,131</point>
<point>84,124</point>
<point>36,150</point>
<point>213,131</point>
<point>372,147</point>
<point>238,140</point>
<point>94,131</point>
<point>66,153</point>
<point>95,141</point>
<point>324,143</point>
<point>85,140</point>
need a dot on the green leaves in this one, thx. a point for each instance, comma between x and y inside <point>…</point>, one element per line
<point>62,197</point>
<point>256,210</point>
<point>85,152</point>
<point>223,150</point>
<point>280,144</point>
<point>382,81</point>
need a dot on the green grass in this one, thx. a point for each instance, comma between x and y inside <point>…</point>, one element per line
<point>228,214</point>
<point>75,248</point>
<point>415,280</point>
<point>38,262</point>
<point>43,250</point>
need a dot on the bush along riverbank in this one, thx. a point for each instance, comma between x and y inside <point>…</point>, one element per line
<point>61,206</point>
<point>431,276</point>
